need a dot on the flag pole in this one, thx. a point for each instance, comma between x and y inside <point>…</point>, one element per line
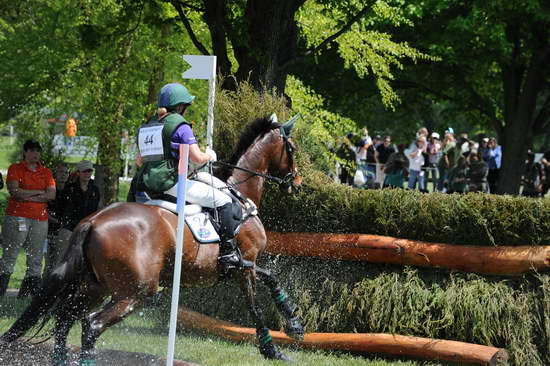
<point>180,235</point>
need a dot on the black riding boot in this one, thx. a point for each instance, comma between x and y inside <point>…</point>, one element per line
<point>4,280</point>
<point>230,257</point>
<point>29,286</point>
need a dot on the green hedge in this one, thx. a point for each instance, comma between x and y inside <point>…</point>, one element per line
<point>470,219</point>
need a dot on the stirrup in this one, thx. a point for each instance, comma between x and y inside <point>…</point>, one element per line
<point>233,260</point>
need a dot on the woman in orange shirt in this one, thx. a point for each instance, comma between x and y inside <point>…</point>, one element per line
<point>31,186</point>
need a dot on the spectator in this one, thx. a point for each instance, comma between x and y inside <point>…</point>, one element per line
<point>477,173</point>
<point>55,209</point>
<point>1,181</point>
<point>361,153</point>
<point>434,155</point>
<point>545,162</point>
<point>422,132</point>
<point>371,160</point>
<point>464,143</point>
<point>396,168</point>
<point>483,145</point>
<point>532,177</point>
<point>458,176</point>
<point>382,153</point>
<point>448,159</point>
<point>346,153</point>
<point>31,186</point>
<point>493,158</point>
<point>81,197</point>
<point>416,161</point>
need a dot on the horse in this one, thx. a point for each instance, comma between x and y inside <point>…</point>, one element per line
<point>126,251</point>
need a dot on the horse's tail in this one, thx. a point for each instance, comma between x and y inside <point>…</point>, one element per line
<point>62,283</point>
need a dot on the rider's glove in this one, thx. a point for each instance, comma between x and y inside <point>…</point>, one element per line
<point>212,154</point>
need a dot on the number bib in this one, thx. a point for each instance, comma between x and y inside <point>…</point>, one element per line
<point>150,143</point>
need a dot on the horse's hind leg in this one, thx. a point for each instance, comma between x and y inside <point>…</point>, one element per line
<point>267,348</point>
<point>71,311</point>
<point>293,327</point>
<point>96,323</point>
<point>60,350</point>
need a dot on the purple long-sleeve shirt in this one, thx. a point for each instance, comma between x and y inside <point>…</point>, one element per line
<point>182,135</point>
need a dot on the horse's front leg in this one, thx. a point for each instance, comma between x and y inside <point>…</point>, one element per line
<point>293,327</point>
<point>267,348</point>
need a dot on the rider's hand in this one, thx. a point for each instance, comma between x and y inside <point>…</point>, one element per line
<point>212,154</point>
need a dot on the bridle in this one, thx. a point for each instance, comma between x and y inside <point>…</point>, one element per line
<point>285,183</point>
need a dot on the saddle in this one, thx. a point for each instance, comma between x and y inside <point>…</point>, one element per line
<point>202,220</point>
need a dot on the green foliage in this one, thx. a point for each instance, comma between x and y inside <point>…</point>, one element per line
<point>477,219</point>
<point>320,130</point>
<point>235,109</point>
<point>356,297</point>
<point>364,48</point>
<point>29,125</point>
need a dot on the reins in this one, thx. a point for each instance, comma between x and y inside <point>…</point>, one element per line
<point>252,172</point>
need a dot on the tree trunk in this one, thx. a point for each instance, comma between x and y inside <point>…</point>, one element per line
<point>110,166</point>
<point>514,148</point>
<point>270,41</point>
<point>523,80</point>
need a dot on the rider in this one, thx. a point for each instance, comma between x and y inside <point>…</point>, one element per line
<point>158,142</point>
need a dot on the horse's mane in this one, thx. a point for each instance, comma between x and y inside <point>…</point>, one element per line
<point>257,128</point>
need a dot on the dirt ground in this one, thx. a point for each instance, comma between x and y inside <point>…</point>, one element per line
<point>23,354</point>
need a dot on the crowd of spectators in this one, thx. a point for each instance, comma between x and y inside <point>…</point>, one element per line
<point>451,163</point>
<point>41,213</point>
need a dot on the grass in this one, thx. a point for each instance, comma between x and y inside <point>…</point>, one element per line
<point>143,332</point>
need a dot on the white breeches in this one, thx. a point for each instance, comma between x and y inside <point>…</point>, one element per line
<point>203,191</point>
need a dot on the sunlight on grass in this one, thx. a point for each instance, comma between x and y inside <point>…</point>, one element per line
<point>140,332</point>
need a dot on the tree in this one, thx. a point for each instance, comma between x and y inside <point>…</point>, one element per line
<point>495,60</point>
<point>266,38</point>
<point>89,58</point>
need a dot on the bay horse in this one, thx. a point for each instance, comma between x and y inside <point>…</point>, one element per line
<point>126,251</point>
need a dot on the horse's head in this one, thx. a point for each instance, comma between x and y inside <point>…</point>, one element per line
<point>283,159</point>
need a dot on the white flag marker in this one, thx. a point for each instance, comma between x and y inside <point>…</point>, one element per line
<point>204,67</point>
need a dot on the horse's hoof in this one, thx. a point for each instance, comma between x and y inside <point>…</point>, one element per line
<point>294,329</point>
<point>271,352</point>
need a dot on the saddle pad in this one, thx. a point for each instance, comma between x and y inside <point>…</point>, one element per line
<point>202,228</point>
<point>197,221</point>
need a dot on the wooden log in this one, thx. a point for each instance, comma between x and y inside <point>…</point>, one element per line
<point>390,344</point>
<point>501,260</point>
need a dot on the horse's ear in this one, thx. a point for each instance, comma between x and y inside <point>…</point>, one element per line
<point>273,118</point>
<point>289,125</point>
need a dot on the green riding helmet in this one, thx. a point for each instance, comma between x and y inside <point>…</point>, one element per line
<point>174,94</point>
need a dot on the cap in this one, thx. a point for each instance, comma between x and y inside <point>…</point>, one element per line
<point>450,130</point>
<point>84,165</point>
<point>435,135</point>
<point>485,139</point>
<point>31,145</point>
